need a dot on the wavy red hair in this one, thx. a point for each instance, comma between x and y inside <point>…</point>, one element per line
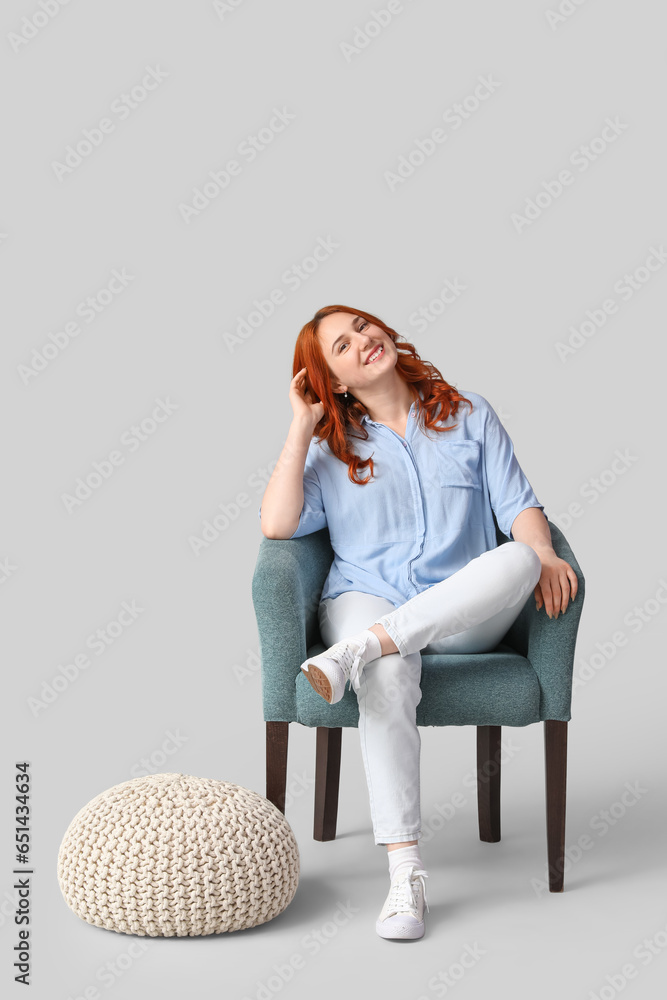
<point>436,399</point>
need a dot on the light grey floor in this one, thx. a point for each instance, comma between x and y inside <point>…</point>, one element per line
<point>488,902</point>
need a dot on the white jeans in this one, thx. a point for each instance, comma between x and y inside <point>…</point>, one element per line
<point>469,612</point>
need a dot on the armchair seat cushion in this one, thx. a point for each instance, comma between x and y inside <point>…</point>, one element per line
<point>463,689</point>
<point>526,679</point>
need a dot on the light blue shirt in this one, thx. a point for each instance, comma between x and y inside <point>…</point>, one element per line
<point>427,511</point>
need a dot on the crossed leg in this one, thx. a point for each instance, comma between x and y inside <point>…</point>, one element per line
<point>470,611</point>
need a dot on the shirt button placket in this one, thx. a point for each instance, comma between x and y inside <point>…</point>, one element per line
<point>419,513</point>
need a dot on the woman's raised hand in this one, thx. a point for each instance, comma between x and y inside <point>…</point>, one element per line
<point>302,401</point>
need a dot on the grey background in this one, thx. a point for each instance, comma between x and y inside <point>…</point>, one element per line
<point>180,667</point>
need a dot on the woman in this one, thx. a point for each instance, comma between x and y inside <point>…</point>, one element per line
<point>406,473</point>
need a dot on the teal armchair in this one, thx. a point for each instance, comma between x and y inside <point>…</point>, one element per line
<point>527,678</point>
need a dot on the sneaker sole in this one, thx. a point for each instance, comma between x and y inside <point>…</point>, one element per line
<point>318,681</point>
<point>411,934</point>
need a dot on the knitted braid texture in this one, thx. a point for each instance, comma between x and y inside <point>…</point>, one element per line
<point>174,855</point>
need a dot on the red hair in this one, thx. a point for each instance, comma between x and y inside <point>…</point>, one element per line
<point>436,399</point>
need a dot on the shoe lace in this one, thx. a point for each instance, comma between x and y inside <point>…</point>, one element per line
<point>402,892</point>
<point>350,659</point>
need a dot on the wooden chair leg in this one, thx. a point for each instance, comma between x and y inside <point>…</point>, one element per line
<point>488,782</point>
<point>276,763</point>
<point>327,779</point>
<point>555,759</point>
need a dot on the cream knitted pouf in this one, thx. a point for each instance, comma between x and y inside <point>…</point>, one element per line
<point>174,855</point>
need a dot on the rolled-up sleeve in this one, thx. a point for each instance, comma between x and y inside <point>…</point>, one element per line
<point>313,516</point>
<point>509,489</point>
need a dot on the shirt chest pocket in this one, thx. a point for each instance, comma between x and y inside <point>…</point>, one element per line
<point>459,463</point>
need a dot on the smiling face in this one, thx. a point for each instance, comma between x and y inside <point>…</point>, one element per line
<point>348,342</point>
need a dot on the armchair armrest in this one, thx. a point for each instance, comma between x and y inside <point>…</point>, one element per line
<point>549,644</point>
<point>286,587</point>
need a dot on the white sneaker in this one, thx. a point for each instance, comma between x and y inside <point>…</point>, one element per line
<point>329,672</point>
<point>402,915</point>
